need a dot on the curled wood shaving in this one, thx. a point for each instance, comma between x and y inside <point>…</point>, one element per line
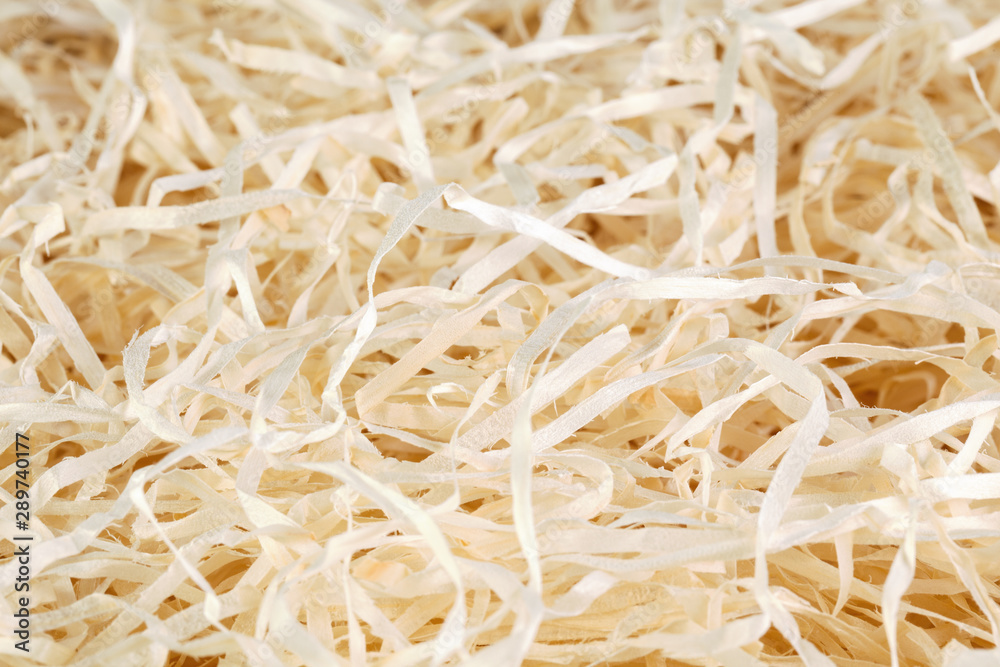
<point>570,332</point>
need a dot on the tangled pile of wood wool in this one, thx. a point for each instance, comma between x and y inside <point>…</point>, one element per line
<point>487,332</point>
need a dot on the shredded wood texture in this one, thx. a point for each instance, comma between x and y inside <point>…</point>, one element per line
<point>498,332</point>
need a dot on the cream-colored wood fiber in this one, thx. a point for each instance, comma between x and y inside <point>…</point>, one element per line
<point>478,332</point>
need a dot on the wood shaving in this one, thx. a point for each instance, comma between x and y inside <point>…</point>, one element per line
<point>562,332</point>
